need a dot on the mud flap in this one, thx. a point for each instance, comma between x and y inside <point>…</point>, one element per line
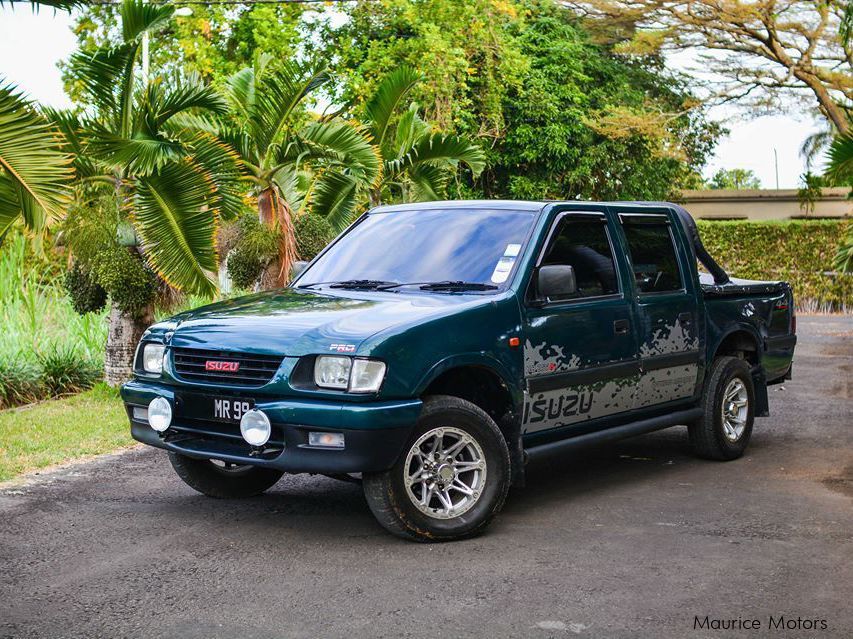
<point>762,403</point>
<point>510,426</point>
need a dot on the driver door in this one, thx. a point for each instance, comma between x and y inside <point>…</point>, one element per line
<point>580,352</point>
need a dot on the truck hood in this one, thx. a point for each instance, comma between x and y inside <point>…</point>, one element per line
<point>297,322</point>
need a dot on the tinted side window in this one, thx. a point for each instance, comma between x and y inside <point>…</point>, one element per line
<point>653,257</point>
<point>583,244</point>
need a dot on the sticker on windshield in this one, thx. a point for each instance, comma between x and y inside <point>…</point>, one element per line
<point>512,250</point>
<point>502,269</point>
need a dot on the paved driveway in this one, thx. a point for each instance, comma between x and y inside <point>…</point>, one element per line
<point>629,540</point>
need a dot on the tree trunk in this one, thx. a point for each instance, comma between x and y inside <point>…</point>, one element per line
<point>124,333</point>
<point>275,213</point>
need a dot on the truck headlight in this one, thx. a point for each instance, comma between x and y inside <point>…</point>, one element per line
<point>348,374</point>
<point>332,372</point>
<point>152,358</point>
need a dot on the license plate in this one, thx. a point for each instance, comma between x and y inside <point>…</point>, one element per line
<point>229,409</point>
<point>219,409</point>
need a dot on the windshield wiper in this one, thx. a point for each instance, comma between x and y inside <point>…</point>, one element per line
<point>365,285</point>
<point>446,285</point>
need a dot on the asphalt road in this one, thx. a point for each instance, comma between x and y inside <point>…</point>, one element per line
<point>628,540</point>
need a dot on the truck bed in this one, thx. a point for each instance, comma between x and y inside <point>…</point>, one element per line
<point>736,287</point>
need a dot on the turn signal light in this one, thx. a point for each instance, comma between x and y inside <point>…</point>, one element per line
<point>326,440</point>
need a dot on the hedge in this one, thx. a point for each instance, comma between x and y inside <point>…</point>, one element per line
<point>797,251</point>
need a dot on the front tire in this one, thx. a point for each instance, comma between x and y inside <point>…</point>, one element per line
<point>223,481</point>
<point>450,481</point>
<point>724,430</point>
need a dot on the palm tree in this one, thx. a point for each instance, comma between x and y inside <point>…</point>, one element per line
<point>170,182</point>
<point>295,163</point>
<point>417,163</point>
<point>840,171</point>
<point>33,171</point>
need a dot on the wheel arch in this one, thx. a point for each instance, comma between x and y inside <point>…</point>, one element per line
<point>740,340</point>
<point>487,384</point>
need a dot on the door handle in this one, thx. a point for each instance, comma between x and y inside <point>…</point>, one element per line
<point>685,318</point>
<point>621,327</point>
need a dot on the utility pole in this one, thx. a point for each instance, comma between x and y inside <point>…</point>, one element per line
<point>145,58</point>
<point>180,12</point>
<point>776,162</point>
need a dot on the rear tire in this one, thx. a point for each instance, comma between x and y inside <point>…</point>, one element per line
<point>724,430</point>
<point>222,481</point>
<point>450,481</point>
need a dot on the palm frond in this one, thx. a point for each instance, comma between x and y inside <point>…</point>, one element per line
<point>334,197</point>
<point>138,16</point>
<point>101,74</point>
<point>9,207</point>
<point>240,92</point>
<point>438,149</point>
<point>276,97</point>
<point>177,227</point>
<point>429,182</point>
<point>386,99</point>
<point>63,5</point>
<point>73,140</point>
<point>840,158</point>
<point>31,160</point>
<point>410,129</point>
<point>183,95</point>
<point>141,154</point>
<point>342,144</point>
<point>220,165</point>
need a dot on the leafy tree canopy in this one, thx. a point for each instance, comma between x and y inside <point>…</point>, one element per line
<point>214,41</point>
<point>734,179</point>
<point>560,115</point>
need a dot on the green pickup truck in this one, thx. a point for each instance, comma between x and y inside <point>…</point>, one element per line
<point>433,349</point>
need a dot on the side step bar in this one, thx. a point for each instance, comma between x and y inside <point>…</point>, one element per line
<point>612,434</point>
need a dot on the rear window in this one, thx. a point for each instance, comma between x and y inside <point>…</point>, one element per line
<point>653,256</point>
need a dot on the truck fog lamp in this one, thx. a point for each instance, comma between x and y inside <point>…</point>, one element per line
<point>367,376</point>
<point>326,440</point>
<point>159,414</point>
<point>255,427</point>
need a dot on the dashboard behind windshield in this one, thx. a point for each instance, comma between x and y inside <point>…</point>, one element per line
<point>423,246</point>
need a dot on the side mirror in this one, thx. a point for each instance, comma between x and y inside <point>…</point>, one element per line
<point>556,281</point>
<point>296,268</point>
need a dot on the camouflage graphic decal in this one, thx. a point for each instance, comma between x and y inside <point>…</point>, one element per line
<point>543,359</point>
<point>666,384</point>
<point>669,338</point>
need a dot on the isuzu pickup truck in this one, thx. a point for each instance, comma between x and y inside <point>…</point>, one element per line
<point>432,349</point>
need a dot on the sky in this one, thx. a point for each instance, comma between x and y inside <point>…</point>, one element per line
<point>31,44</point>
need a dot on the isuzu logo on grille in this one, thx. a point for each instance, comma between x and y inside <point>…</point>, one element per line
<point>222,367</point>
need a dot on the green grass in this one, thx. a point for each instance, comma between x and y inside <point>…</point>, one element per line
<point>46,348</point>
<point>60,430</point>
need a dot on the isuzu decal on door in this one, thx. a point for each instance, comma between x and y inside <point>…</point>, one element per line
<point>564,406</point>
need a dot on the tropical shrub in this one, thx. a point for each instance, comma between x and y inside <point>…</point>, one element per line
<point>313,233</point>
<point>800,252</point>
<point>255,246</point>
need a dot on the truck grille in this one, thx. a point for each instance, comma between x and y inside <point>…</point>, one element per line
<point>253,370</point>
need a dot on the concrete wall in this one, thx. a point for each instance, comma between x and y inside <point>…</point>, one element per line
<point>767,204</point>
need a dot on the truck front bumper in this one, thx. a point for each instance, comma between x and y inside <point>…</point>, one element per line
<point>374,432</point>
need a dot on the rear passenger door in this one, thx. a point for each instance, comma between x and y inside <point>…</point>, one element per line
<point>668,323</point>
<point>580,352</point>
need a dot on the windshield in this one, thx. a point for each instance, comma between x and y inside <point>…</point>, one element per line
<point>459,247</point>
